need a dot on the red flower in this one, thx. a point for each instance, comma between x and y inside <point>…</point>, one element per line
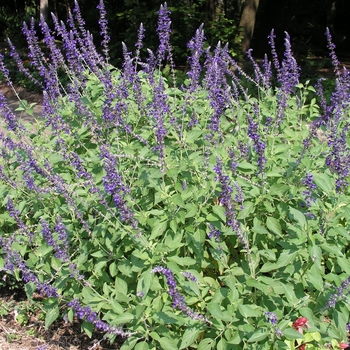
<point>300,323</point>
<point>343,345</point>
<point>302,347</point>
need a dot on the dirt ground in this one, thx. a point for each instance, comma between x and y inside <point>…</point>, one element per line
<point>32,335</point>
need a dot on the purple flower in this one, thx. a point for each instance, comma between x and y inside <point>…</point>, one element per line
<point>196,47</point>
<point>164,31</point>
<point>339,294</point>
<point>310,186</point>
<point>189,275</point>
<point>339,157</point>
<point>257,72</point>
<point>289,73</point>
<point>86,314</point>
<point>19,63</point>
<point>4,70</point>
<point>214,233</point>
<point>225,198</point>
<point>332,54</point>
<point>215,81</point>
<point>275,60</point>
<point>178,299</point>
<point>267,75</point>
<point>60,249</point>
<point>10,118</point>
<point>15,214</point>
<point>271,317</point>
<point>14,260</point>
<point>104,28</point>
<point>258,145</point>
<point>114,185</point>
<point>159,109</point>
<point>139,44</point>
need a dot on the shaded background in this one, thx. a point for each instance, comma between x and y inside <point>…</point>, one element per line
<point>304,20</point>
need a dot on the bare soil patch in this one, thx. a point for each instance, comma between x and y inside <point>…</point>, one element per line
<point>24,94</point>
<point>34,336</point>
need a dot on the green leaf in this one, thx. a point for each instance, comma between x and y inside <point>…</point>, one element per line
<point>193,135</point>
<point>278,189</point>
<point>248,310</point>
<point>51,315</point>
<point>248,208</point>
<point>251,282</point>
<point>246,167</point>
<point>274,173</point>
<point>129,344</point>
<point>216,312</point>
<point>258,336</point>
<point>121,286</point>
<point>290,294</point>
<point>176,199</point>
<point>124,318</point>
<point>324,182</point>
<point>274,226</point>
<point>291,333</point>
<point>87,328</point>
<point>145,281</point>
<point>220,212</point>
<point>315,254</point>
<point>191,210</point>
<point>286,257</point>
<point>260,229</point>
<point>298,216</point>
<point>189,337</point>
<point>268,266</point>
<point>142,346</point>
<point>185,261</point>
<point>158,229</point>
<point>222,344</point>
<point>206,344</point>
<point>315,278</point>
<point>344,263</point>
<point>167,343</point>
<point>117,308</point>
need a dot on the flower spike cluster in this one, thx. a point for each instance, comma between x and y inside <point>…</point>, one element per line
<point>178,299</point>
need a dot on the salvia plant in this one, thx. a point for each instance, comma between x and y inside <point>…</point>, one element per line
<point>212,214</point>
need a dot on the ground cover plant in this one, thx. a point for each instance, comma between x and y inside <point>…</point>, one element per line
<point>211,214</point>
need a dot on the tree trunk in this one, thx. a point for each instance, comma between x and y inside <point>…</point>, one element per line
<point>44,9</point>
<point>216,9</point>
<point>247,22</point>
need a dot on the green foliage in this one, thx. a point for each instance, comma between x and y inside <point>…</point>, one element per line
<point>185,241</point>
<point>290,260</point>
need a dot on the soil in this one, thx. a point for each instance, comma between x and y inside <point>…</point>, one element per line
<point>32,335</point>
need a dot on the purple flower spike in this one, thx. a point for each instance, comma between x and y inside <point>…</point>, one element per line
<point>178,299</point>
<point>227,202</point>
<point>271,317</point>
<point>86,314</point>
<point>308,182</point>
<point>104,28</point>
<point>114,185</point>
<point>259,145</point>
<point>163,31</point>
<point>196,47</point>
